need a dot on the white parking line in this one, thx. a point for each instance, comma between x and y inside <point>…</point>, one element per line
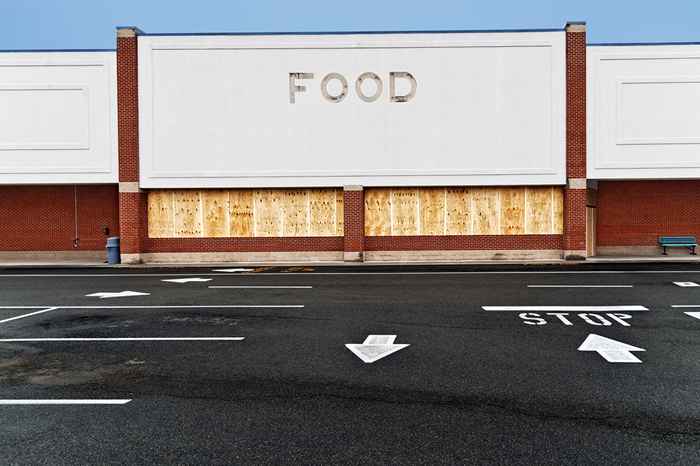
<point>580,286</point>
<point>305,287</point>
<point>685,305</point>
<point>28,315</point>
<point>201,306</point>
<point>65,402</point>
<point>17,340</point>
<point>565,308</point>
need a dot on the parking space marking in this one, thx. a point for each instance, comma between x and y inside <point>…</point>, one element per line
<point>565,308</point>
<point>194,306</point>
<point>28,315</point>
<point>262,287</point>
<point>65,402</point>
<point>580,286</point>
<point>21,340</point>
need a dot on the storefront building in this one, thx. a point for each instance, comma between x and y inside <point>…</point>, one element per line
<point>437,146</point>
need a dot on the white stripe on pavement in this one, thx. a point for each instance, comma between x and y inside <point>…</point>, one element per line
<point>685,305</point>
<point>580,286</point>
<point>17,340</point>
<point>565,308</point>
<point>28,315</point>
<point>694,314</point>
<point>262,287</point>
<point>65,402</point>
<point>202,306</point>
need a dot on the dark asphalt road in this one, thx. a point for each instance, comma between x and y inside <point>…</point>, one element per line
<point>473,387</point>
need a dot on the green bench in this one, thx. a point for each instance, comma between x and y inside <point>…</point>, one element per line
<point>678,242</point>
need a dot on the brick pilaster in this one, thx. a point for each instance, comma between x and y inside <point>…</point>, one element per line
<point>575,191</point>
<point>131,199</point>
<point>354,223</point>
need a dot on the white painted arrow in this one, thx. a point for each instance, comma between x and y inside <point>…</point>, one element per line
<point>694,314</point>
<point>611,350</point>
<point>186,280</point>
<point>120,294</point>
<point>233,270</point>
<point>375,347</point>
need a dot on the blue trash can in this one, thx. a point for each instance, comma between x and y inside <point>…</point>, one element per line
<point>113,256</point>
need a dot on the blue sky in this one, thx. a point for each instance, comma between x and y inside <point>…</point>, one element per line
<point>32,24</point>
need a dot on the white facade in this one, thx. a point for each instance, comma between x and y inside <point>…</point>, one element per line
<point>58,117</point>
<point>643,112</point>
<point>223,111</point>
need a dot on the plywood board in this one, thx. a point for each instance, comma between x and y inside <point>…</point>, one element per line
<point>216,213</point>
<point>267,214</point>
<point>557,210</point>
<point>432,211</point>
<point>538,210</point>
<point>187,217</point>
<point>404,212</point>
<point>512,211</point>
<point>378,212</point>
<point>160,214</point>
<point>485,213</point>
<point>295,212</point>
<point>339,213</point>
<point>241,213</point>
<point>457,203</point>
<point>322,212</point>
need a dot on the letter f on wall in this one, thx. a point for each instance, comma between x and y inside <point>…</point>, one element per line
<point>293,87</point>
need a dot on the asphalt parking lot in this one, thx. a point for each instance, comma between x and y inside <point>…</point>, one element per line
<point>446,365</point>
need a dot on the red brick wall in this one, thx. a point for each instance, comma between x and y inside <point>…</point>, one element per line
<point>476,242</point>
<point>636,213</point>
<point>575,199</point>
<point>354,220</point>
<point>42,218</point>
<point>132,204</point>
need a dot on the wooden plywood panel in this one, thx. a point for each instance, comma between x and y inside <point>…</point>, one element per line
<point>322,212</point>
<point>538,210</point>
<point>378,212</point>
<point>512,211</point>
<point>457,203</point>
<point>485,211</point>
<point>267,217</point>
<point>557,210</point>
<point>404,211</point>
<point>339,213</point>
<point>216,213</point>
<point>432,211</point>
<point>187,217</point>
<point>160,214</point>
<point>295,212</point>
<point>241,213</point>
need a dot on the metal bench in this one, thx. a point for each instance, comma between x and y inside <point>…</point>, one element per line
<point>678,242</point>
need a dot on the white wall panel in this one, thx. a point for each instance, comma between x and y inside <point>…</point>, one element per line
<point>58,117</point>
<point>643,111</point>
<point>215,111</point>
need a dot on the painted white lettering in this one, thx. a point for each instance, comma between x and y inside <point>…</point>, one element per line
<point>560,316</point>
<point>619,318</point>
<point>531,318</point>
<point>595,319</point>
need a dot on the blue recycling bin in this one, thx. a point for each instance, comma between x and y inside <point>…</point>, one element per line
<point>113,256</point>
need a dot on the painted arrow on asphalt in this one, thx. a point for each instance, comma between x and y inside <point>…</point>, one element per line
<point>611,350</point>
<point>375,347</point>
<point>186,280</point>
<point>120,294</point>
<point>694,314</point>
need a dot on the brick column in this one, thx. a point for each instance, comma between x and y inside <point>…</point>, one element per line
<point>575,190</point>
<point>354,221</point>
<point>131,199</point>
